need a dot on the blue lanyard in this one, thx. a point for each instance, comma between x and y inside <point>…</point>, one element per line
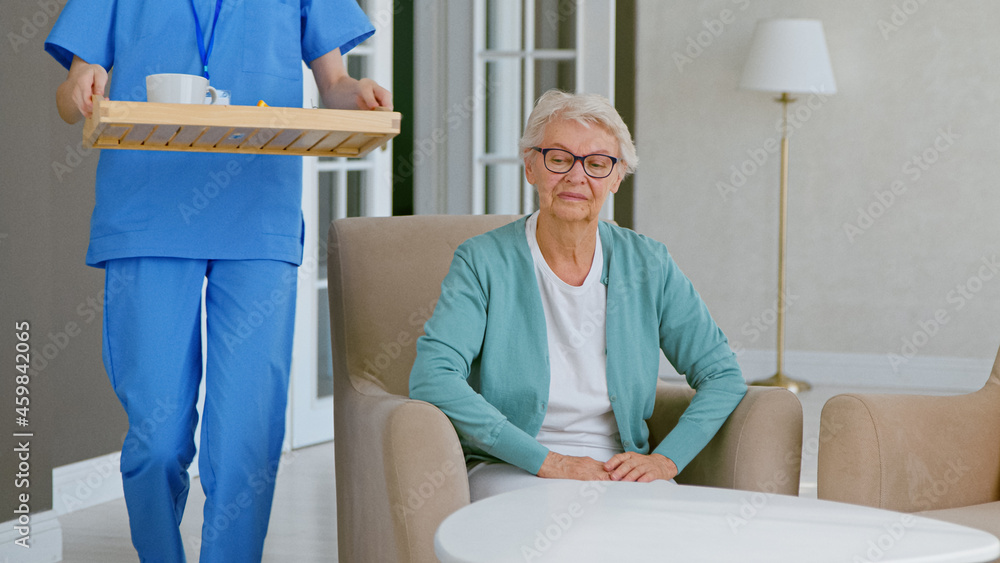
<point>201,37</point>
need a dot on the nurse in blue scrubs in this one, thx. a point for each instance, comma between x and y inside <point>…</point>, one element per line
<point>165,222</point>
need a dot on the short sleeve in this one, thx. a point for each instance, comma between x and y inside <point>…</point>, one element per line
<point>85,28</point>
<point>332,24</point>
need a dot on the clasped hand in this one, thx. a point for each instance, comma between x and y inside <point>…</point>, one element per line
<point>628,466</point>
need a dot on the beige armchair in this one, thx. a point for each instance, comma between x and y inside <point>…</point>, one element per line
<point>938,456</point>
<point>399,466</point>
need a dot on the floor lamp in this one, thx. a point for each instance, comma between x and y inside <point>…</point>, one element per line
<point>787,56</point>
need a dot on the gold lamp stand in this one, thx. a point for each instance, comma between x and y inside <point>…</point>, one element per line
<point>779,379</point>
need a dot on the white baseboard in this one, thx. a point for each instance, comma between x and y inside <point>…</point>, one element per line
<point>91,482</point>
<point>864,371</point>
<point>86,483</point>
<point>44,540</point>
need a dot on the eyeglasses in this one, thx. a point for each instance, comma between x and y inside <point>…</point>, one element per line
<point>560,161</point>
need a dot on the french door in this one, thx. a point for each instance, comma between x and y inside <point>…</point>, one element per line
<point>512,51</point>
<point>333,188</point>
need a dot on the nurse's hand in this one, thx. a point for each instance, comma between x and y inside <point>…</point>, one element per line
<point>73,97</point>
<point>558,466</point>
<point>367,94</point>
<point>340,91</point>
<point>632,466</point>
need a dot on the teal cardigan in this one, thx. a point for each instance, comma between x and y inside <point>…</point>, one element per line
<point>484,358</point>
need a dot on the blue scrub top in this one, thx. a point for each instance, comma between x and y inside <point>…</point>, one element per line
<point>196,205</point>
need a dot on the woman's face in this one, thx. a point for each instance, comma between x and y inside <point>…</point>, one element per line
<point>573,196</point>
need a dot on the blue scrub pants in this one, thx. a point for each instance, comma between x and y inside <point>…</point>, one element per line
<point>153,355</point>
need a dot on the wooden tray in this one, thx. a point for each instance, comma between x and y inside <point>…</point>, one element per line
<point>237,129</point>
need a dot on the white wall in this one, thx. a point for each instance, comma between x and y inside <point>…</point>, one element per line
<point>922,84</point>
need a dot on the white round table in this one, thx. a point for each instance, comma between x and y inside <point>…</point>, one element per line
<point>578,521</point>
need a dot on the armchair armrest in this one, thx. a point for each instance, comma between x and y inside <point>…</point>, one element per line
<point>911,452</point>
<point>758,448</point>
<point>399,464</point>
<point>425,475</point>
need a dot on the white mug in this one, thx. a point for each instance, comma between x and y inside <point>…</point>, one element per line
<point>220,98</point>
<point>178,89</point>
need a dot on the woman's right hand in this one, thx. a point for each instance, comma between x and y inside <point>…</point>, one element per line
<point>558,466</point>
<point>73,98</point>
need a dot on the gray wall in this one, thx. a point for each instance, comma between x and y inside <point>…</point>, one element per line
<point>47,197</point>
<point>916,84</point>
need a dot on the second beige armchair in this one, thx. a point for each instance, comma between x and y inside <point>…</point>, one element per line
<point>938,456</point>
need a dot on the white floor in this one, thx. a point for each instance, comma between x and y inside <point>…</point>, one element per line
<point>303,525</point>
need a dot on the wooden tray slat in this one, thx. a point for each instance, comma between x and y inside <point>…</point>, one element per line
<point>284,138</point>
<point>187,136</point>
<point>138,134</point>
<point>306,142</point>
<point>210,138</point>
<point>161,136</point>
<point>331,141</point>
<point>259,139</point>
<point>240,129</point>
<point>235,138</point>
<point>371,144</point>
<point>112,135</point>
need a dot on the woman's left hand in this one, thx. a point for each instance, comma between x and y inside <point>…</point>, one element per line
<point>632,466</point>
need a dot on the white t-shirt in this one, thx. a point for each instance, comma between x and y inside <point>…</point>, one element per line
<point>578,420</point>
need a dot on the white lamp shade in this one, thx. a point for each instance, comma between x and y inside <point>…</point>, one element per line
<point>789,56</point>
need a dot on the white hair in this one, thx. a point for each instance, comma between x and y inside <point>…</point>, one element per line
<point>586,109</point>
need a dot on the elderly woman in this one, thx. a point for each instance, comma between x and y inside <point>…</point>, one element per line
<point>543,349</point>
